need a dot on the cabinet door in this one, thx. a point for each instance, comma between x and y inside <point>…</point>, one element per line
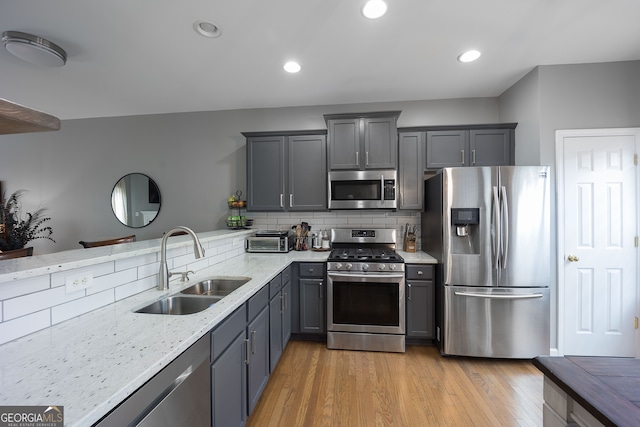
<point>307,173</point>
<point>312,306</point>
<point>258,372</point>
<point>420,309</point>
<point>380,143</point>
<point>229,386</point>
<point>490,147</point>
<point>344,144</point>
<point>265,173</point>
<point>411,148</point>
<point>286,315</point>
<point>447,149</point>
<point>275,330</point>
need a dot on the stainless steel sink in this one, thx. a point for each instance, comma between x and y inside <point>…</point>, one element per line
<point>179,305</point>
<point>218,286</point>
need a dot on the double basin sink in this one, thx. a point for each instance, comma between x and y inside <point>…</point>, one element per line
<point>196,298</point>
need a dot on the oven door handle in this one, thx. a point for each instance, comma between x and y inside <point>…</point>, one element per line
<point>365,276</point>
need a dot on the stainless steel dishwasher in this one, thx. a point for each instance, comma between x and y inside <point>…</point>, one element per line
<point>180,394</point>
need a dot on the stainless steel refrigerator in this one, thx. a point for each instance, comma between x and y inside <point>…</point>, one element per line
<point>489,229</point>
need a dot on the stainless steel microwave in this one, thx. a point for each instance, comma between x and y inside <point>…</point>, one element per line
<point>369,189</point>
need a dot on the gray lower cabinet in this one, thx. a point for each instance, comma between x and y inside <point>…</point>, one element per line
<point>420,297</point>
<point>286,171</point>
<point>279,316</point>
<point>240,361</point>
<point>312,296</point>
<point>362,141</point>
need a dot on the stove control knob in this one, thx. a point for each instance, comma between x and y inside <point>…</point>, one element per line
<point>393,266</point>
<point>349,266</point>
<point>382,266</point>
<point>365,267</point>
<point>338,265</point>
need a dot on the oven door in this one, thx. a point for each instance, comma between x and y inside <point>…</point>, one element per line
<point>366,302</point>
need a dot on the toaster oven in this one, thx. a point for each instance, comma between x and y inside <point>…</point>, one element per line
<point>271,241</point>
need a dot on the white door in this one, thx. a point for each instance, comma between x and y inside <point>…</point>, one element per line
<point>598,263</point>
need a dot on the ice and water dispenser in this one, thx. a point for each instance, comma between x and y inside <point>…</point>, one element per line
<point>465,231</point>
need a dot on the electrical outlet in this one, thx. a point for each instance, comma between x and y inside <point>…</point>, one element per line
<point>78,281</point>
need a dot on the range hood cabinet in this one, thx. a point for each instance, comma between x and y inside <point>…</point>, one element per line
<point>15,118</point>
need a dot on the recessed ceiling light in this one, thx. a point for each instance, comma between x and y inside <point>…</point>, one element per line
<point>292,67</point>
<point>34,49</point>
<point>207,29</point>
<point>469,56</point>
<point>374,9</point>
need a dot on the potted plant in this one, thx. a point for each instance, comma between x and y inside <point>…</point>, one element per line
<point>17,230</point>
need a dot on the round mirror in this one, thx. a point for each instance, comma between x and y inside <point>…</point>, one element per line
<point>135,200</point>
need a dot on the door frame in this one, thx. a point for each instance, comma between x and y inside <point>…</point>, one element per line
<point>560,135</point>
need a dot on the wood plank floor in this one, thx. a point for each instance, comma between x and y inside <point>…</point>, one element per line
<point>314,386</point>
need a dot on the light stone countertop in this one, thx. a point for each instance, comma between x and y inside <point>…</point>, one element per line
<point>93,362</point>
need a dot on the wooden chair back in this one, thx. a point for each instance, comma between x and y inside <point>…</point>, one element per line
<point>16,253</point>
<point>124,239</point>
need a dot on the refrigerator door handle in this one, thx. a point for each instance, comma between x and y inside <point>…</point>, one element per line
<point>504,213</point>
<point>497,296</point>
<point>496,226</point>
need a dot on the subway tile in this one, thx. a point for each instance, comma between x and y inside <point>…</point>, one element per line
<point>113,280</point>
<point>75,308</point>
<point>124,291</point>
<point>148,270</point>
<point>24,325</point>
<point>24,286</point>
<point>27,304</point>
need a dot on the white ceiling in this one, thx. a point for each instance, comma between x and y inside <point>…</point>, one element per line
<point>143,57</point>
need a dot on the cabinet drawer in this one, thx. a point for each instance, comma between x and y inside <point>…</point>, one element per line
<point>312,269</point>
<point>275,285</point>
<point>286,276</point>
<point>257,302</point>
<point>419,272</point>
<point>227,331</point>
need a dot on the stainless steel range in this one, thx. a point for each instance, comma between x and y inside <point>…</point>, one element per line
<point>365,291</point>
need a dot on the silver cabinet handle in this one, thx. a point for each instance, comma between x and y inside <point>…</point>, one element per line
<point>282,200</point>
<point>246,352</point>
<point>281,304</point>
<point>320,289</point>
<point>366,158</point>
<point>497,296</point>
<point>473,157</point>
<point>409,291</point>
<point>419,273</point>
<point>290,199</point>
<point>253,342</point>
<point>462,156</point>
<point>357,159</point>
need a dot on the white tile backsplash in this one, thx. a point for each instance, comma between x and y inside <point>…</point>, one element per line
<point>35,303</point>
<point>24,325</point>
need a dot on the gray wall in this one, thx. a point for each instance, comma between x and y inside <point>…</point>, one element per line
<point>555,97</point>
<point>197,160</point>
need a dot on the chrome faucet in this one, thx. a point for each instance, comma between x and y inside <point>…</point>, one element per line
<point>165,274</point>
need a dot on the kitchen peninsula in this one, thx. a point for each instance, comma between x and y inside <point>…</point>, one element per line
<point>591,391</point>
<point>92,362</point>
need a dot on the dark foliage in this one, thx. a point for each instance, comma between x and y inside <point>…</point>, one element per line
<point>15,230</point>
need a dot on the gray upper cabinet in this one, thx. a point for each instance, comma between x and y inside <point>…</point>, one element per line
<point>447,149</point>
<point>411,164</point>
<point>362,141</point>
<point>286,171</point>
<point>428,148</point>
<point>473,146</point>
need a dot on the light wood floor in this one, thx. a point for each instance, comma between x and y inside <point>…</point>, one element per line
<point>314,386</point>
